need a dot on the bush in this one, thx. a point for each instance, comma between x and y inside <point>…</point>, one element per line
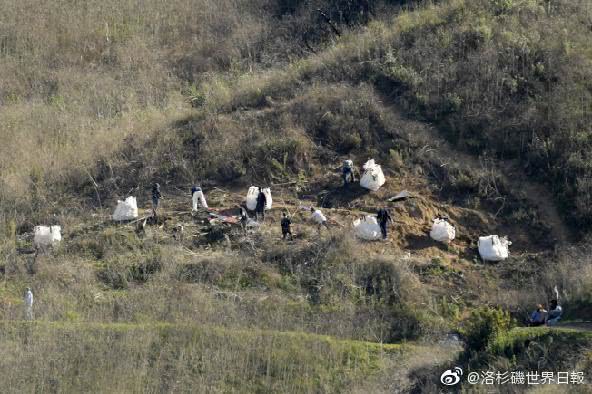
<point>483,326</point>
<point>118,273</point>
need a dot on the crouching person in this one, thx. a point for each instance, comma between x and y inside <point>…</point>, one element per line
<point>538,317</point>
<point>198,198</point>
<point>318,218</point>
<point>554,314</point>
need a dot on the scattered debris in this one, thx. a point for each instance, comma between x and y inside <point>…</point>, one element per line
<point>402,196</point>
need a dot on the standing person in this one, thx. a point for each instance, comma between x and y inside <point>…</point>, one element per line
<point>28,304</point>
<point>554,314</point>
<point>156,196</point>
<point>318,217</point>
<point>261,202</point>
<point>348,172</point>
<point>383,218</point>
<point>244,217</point>
<point>286,223</point>
<point>198,198</point>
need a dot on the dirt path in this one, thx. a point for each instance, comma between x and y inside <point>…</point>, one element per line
<point>578,326</point>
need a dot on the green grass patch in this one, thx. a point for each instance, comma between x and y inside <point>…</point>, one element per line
<point>151,357</point>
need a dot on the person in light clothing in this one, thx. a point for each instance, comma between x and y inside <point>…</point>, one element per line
<point>28,304</point>
<point>318,217</point>
<point>347,172</point>
<point>156,196</point>
<point>199,200</point>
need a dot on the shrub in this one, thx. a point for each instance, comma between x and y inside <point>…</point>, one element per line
<point>483,326</point>
<point>117,273</point>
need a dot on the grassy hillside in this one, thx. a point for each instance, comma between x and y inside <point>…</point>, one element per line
<point>481,109</point>
<point>163,357</point>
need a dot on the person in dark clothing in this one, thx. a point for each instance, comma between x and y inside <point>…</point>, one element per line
<point>260,208</point>
<point>383,218</point>
<point>554,314</point>
<point>156,196</point>
<point>286,223</point>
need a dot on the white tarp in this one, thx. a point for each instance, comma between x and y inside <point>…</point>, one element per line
<point>373,177</point>
<point>47,236</point>
<point>494,248</point>
<point>252,198</point>
<point>252,195</point>
<point>126,210</point>
<point>442,231</point>
<point>367,228</point>
<point>199,200</point>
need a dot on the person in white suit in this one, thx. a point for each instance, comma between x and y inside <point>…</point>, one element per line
<point>318,217</point>
<point>198,197</point>
<point>28,304</point>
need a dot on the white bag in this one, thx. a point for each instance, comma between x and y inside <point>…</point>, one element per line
<point>47,236</point>
<point>267,192</point>
<point>494,248</point>
<point>252,195</point>
<point>252,198</point>
<point>126,210</point>
<point>373,177</point>
<point>367,228</point>
<point>442,231</point>
<point>199,200</point>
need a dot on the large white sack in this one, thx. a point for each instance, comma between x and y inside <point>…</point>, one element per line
<point>47,235</point>
<point>252,195</point>
<point>442,231</point>
<point>367,228</point>
<point>252,198</point>
<point>199,200</point>
<point>267,192</point>
<point>494,248</point>
<point>373,177</point>
<point>126,210</point>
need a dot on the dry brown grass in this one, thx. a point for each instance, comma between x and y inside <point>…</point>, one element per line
<point>77,80</point>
